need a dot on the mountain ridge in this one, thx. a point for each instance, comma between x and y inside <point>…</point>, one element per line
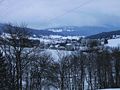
<point>69,30</point>
<point>104,35</point>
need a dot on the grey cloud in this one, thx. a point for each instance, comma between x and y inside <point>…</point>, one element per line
<point>41,13</point>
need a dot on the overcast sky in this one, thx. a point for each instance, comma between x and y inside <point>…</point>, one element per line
<point>55,13</point>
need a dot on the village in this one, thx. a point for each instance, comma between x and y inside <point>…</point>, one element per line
<point>71,44</point>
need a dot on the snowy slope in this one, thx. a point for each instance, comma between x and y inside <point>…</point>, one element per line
<point>113,42</point>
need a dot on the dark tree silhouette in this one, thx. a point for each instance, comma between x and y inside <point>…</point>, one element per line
<point>3,73</point>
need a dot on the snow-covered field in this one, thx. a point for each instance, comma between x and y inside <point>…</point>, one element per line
<point>56,54</point>
<point>114,43</point>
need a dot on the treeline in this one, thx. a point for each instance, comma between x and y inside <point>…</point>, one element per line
<point>23,68</point>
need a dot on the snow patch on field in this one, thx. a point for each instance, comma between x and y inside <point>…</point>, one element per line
<point>114,43</point>
<point>56,54</point>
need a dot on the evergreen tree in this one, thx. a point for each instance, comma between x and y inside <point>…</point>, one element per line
<point>105,41</point>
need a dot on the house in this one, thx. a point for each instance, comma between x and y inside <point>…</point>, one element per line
<point>69,46</point>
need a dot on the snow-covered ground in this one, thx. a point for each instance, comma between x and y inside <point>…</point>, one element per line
<point>113,42</point>
<point>56,54</point>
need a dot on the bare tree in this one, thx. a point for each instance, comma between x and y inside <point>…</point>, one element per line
<point>116,65</point>
<point>14,44</point>
<point>41,72</point>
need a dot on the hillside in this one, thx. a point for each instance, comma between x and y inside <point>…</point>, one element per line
<point>68,30</point>
<point>104,35</point>
<point>76,31</point>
